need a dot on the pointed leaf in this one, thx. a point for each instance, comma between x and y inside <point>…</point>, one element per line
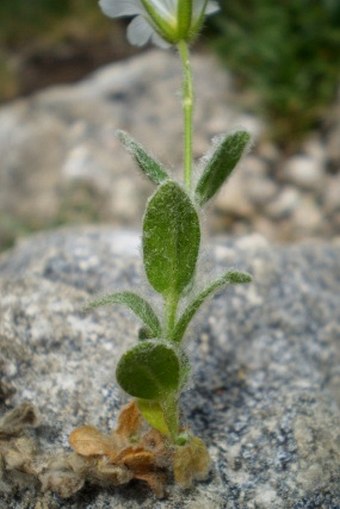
<point>171,237</point>
<point>137,304</point>
<point>153,414</point>
<point>150,370</point>
<point>230,277</point>
<point>220,165</point>
<point>152,168</point>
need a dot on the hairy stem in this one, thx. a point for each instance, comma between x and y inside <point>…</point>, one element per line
<point>188,101</point>
<point>171,304</point>
<point>170,412</point>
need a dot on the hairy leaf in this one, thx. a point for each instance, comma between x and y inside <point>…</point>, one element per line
<point>151,370</point>
<point>137,304</point>
<point>230,277</point>
<point>220,165</point>
<point>146,333</point>
<point>171,238</point>
<point>152,168</point>
<point>154,415</point>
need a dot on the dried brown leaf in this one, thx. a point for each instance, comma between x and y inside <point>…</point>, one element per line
<point>129,421</point>
<point>156,481</point>
<point>89,441</point>
<point>112,473</point>
<point>125,455</point>
<point>15,421</point>
<point>191,461</point>
<point>138,460</point>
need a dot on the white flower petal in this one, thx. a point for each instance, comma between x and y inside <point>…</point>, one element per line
<point>139,31</point>
<point>198,6</point>
<point>212,7</point>
<point>117,8</point>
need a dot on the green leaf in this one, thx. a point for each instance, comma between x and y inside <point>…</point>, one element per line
<point>151,370</point>
<point>230,277</point>
<point>154,415</point>
<point>137,304</point>
<point>171,238</point>
<point>220,165</point>
<point>152,168</point>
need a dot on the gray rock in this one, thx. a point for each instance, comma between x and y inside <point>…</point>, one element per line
<point>266,366</point>
<point>308,216</point>
<point>305,171</point>
<point>62,139</point>
<point>260,188</point>
<point>232,198</point>
<point>332,196</point>
<point>60,162</point>
<point>284,204</point>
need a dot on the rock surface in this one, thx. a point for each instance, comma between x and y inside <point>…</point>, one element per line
<point>266,379</point>
<point>61,163</point>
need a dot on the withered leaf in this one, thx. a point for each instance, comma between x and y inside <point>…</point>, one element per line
<point>191,461</point>
<point>89,441</point>
<point>137,459</point>
<point>155,481</point>
<point>129,421</point>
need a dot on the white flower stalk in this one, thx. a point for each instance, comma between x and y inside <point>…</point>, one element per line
<point>164,22</point>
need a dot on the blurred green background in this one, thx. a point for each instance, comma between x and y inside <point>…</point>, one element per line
<point>285,55</point>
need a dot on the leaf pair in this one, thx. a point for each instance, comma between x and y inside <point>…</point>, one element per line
<point>220,164</point>
<point>171,239</point>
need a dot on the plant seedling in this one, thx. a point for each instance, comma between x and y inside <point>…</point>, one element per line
<point>157,368</point>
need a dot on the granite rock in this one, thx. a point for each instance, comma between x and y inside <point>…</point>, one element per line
<point>265,390</point>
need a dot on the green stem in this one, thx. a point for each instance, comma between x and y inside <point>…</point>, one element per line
<point>188,101</point>
<point>170,412</point>
<point>171,304</point>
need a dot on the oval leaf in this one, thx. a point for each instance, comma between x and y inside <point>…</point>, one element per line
<point>152,168</point>
<point>171,237</point>
<point>220,165</point>
<point>150,370</point>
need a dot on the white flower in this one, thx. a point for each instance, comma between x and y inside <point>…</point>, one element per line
<point>164,22</point>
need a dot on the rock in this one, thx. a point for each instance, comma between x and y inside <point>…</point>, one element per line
<point>315,149</point>
<point>265,356</point>
<point>259,189</point>
<point>63,138</point>
<point>268,151</point>
<point>232,199</point>
<point>332,196</point>
<point>284,204</point>
<point>333,150</point>
<point>61,162</point>
<point>305,171</point>
<point>308,217</point>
